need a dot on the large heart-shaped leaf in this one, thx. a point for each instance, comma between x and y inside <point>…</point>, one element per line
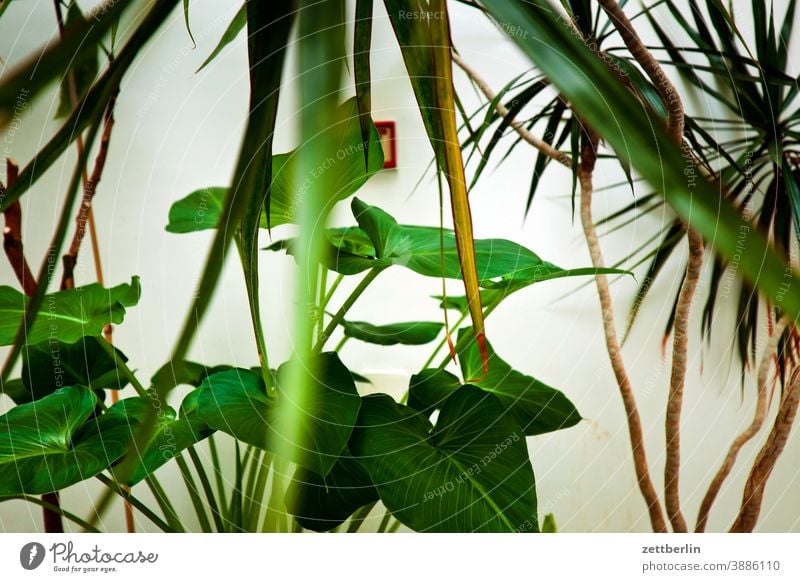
<point>171,434</point>
<point>322,503</point>
<point>411,333</point>
<point>535,406</point>
<point>236,402</point>
<point>469,473</point>
<point>68,315</point>
<point>49,444</point>
<point>51,365</point>
<point>343,171</point>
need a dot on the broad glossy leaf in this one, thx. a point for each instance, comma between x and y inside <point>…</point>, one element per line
<point>471,473</point>
<point>236,402</point>
<point>535,406</point>
<point>52,443</point>
<point>48,366</point>
<point>411,333</point>
<point>67,315</point>
<point>343,171</point>
<point>321,504</point>
<point>172,433</point>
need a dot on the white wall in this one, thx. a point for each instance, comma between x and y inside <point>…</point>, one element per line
<point>177,131</point>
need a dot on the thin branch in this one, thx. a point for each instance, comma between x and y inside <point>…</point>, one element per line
<point>767,458</point>
<point>503,112</point>
<point>585,171</point>
<point>12,235</point>
<point>675,122</point>
<point>70,259</point>
<point>748,433</point>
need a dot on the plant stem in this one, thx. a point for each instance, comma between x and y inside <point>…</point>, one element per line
<point>348,303</point>
<point>442,343</point>
<point>164,503</point>
<point>323,288</point>
<point>123,367</point>
<point>503,112</point>
<point>327,298</point>
<point>675,125</point>
<point>114,487</point>
<point>55,509</point>
<point>194,494</point>
<point>585,171</point>
<point>748,433</point>
<point>767,458</point>
<point>209,492</point>
<point>212,447</point>
<point>258,493</point>
<point>359,516</point>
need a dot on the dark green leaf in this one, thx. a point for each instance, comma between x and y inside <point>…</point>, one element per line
<point>321,504</point>
<point>411,333</point>
<point>236,402</point>
<point>49,444</point>
<point>171,435</point>
<point>48,366</point>
<point>471,473</point>
<point>69,315</point>
<point>536,407</point>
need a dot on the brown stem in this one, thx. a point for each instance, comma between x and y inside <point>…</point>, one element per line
<point>748,433</point>
<point>70,259</point>
<point>12,244</point>
<point>585,171</point>
<point>767,458</point>
<point>503,112</point>
<point>672,101</point>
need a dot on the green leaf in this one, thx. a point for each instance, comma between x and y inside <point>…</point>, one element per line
<point>191,373</point>
<point>343,172</point>
<point>236,402</point>
<point>549,524</point>
<point>200,210</point>
<point>410,333</point>
<point>614,113</point>
<point>83,67</point>
<point>535,406</point>
<point>321,504</point>
<point>48,366</point>
<point>471,473</point>
<point>68,315</point>
<point>16,390</point>
<point>234,28</point>
<point>49,444</point>
<point>171,435</point>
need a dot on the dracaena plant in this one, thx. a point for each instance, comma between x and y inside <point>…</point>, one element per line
<point>736,192</point>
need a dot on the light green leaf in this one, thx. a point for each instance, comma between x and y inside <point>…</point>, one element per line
<point>67,315</point>
<point>234,28</point>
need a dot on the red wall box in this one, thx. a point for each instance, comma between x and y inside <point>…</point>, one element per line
<point>387,133</point>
